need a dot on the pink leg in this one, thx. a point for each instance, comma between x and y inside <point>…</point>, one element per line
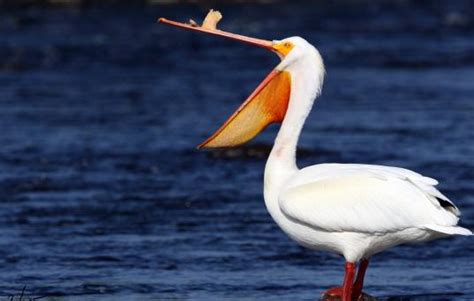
<point>350,290</point>
<point>359,283</point>
<point>348,281</point>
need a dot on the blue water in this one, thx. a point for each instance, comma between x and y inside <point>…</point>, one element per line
<point>103,195</point>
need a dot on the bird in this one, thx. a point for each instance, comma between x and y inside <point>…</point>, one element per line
<point>355,210</point>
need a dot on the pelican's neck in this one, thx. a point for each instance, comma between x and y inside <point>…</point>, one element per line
<point>307,77</point>
<point>284,148</point>
<point>306,82</point>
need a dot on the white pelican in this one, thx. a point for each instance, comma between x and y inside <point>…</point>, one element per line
<point>351,209</point>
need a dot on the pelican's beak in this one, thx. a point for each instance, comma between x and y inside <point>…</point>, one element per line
<point>233,36</point>
<point>267,104</point>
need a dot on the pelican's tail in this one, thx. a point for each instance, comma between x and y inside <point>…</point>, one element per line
<point>453,230</point>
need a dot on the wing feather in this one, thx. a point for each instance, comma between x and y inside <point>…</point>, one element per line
<point>364,198</point>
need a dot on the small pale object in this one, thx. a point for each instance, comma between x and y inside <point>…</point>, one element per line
<point>212,18</point>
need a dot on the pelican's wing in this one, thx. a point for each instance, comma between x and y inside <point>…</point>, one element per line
<point>367,198</point>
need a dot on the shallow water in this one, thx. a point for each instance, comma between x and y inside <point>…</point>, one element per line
<point>103,195</point>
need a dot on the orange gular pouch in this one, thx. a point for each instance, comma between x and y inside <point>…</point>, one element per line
<point>266,105</point>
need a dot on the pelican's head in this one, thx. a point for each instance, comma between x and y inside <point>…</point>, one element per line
<point>295,50</point>
<point>269,102</point>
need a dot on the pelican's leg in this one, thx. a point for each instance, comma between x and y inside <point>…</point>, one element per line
<point>359,282</point>
<point>342,293</point>
<point>348,281</point>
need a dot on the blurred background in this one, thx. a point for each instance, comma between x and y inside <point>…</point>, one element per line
<point>103,195</point>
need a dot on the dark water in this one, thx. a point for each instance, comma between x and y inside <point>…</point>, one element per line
<point>103,195</point>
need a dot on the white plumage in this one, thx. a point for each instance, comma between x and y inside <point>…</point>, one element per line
<point>379,203</point>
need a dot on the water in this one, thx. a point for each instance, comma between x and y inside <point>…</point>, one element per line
<point>104,196</point>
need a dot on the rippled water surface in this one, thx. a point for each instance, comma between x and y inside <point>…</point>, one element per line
<point>104,196</point>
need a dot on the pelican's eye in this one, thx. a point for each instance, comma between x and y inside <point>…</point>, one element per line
<point>284,48</point>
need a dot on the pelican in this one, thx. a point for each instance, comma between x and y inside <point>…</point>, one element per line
<point>354,210</point>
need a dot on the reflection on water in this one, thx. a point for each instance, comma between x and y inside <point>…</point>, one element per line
<point>103,194</point>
